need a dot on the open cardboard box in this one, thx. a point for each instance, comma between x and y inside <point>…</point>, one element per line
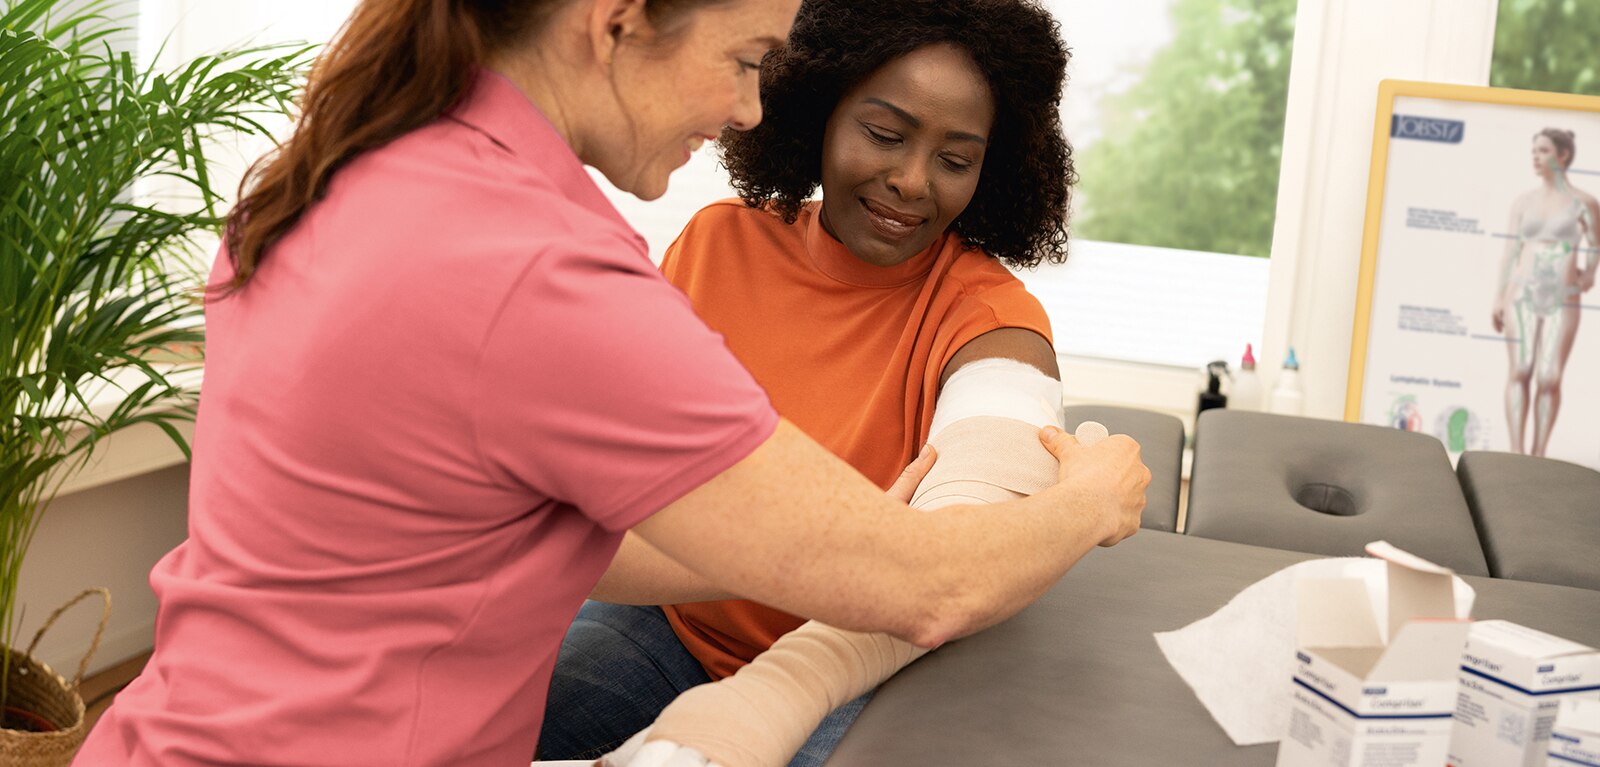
<point>1376,678</point>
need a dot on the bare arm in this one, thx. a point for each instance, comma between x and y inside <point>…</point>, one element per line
<point>640,574</point>
<point>793,526</point>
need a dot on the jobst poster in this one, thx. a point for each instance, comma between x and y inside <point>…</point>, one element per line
<point>1484,329</point>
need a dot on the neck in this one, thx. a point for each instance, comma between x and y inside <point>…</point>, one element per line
<point>544,72</point>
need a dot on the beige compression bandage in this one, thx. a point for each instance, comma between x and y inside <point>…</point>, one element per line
<point>985,428</point>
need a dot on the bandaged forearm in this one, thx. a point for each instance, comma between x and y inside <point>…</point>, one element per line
<point>762,715</point>
<point>985,429</point>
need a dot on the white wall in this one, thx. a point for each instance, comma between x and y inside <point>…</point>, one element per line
<point>107,536</point>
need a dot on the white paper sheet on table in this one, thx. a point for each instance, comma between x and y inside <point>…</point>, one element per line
<point>1240,659</point>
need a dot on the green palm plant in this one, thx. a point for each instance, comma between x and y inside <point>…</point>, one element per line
<point>89,296</point>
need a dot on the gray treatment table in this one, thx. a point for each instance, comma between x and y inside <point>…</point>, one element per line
<point>1077,679</point>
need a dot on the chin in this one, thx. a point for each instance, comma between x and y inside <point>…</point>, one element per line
<point>652,193</point>
<point>649,188</point>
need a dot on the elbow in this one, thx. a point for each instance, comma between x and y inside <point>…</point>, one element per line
<point>945,614</point>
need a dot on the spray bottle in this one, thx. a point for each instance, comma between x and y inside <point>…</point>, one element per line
<point>1211,396</point>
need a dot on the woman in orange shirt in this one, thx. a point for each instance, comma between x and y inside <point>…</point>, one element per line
<point>932,129</point>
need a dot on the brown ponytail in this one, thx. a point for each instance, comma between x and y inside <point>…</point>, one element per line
<point>397,65</point>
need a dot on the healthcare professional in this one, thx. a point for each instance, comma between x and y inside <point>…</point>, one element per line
<point>443,378</point>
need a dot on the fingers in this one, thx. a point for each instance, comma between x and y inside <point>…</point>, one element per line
<point>906,484</point>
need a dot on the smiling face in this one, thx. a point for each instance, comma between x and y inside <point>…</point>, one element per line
<point>678,90</point>
<point>1547,157</point>
<point>902,152</point>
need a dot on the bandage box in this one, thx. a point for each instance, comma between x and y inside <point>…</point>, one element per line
<point>1512,681</point>
<point>1575,738</point>
<point>1375,682</point>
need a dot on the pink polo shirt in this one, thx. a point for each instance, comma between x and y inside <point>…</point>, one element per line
<point>426,423</point>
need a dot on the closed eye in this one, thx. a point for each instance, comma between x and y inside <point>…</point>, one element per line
<point>957,164</point>
<point>749,66</point>
<point>880,137</point>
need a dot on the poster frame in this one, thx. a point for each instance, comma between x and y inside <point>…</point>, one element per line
<point>1388,92</point>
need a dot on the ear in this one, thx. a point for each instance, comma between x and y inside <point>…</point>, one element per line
<point>611,22</point>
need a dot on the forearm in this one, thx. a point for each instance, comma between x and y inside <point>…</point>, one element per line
<point>832,547</point>
<point>991,563</point>
<point>641,575</point>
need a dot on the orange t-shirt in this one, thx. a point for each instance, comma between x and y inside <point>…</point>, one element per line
<point>851,353</point>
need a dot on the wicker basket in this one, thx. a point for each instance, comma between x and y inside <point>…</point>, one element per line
<point>37,690</point>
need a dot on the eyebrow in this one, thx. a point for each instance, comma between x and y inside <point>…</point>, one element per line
<point>770,41</point>
<point>915,123</point>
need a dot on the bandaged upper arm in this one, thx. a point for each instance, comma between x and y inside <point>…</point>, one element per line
<point>985,428</point>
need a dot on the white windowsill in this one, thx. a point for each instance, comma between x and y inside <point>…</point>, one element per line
<point>136,450</point>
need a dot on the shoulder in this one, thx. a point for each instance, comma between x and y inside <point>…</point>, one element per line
<point>715,227</point>
<point>733,213</point>
<point>983,279</point>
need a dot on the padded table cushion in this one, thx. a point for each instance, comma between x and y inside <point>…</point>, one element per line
<point>1328,487</point>
<point>1160,439</point>
<point>1538,518</point>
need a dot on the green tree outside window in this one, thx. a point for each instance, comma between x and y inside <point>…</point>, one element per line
<point>1547,45</point>
<point>1189,155</point>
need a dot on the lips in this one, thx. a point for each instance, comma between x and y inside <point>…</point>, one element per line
<point>891,223</point>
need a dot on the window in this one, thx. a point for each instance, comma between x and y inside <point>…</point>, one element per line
<point>1546,45</point>
<point>1177,127</point>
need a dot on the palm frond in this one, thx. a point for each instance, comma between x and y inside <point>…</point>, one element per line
<point>86,302</point>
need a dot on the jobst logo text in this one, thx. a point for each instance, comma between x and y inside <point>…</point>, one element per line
<point>1427,129</point>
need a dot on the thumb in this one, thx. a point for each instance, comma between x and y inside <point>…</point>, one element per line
<point>906,484</point>
<point>1057,441</point>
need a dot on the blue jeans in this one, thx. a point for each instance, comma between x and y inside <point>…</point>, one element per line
<point>619,667</point>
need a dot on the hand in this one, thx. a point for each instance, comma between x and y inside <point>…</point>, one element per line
<point>1586,280</point>
<point>1110,473</point>
<point>906,485</point>
<point>657,753</point>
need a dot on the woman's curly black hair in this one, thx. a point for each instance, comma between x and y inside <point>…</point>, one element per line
<point>1019,211</point>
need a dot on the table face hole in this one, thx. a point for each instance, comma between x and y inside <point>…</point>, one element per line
<point>1327,499</point>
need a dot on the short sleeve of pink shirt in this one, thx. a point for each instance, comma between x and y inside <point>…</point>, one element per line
<point>425,423</point>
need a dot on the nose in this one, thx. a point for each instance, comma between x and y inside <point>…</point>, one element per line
<point>909,179</point>
<point>747,107</point>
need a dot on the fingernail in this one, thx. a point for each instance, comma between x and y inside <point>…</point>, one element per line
<point>924,451</point>
<point>1051,432</point>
